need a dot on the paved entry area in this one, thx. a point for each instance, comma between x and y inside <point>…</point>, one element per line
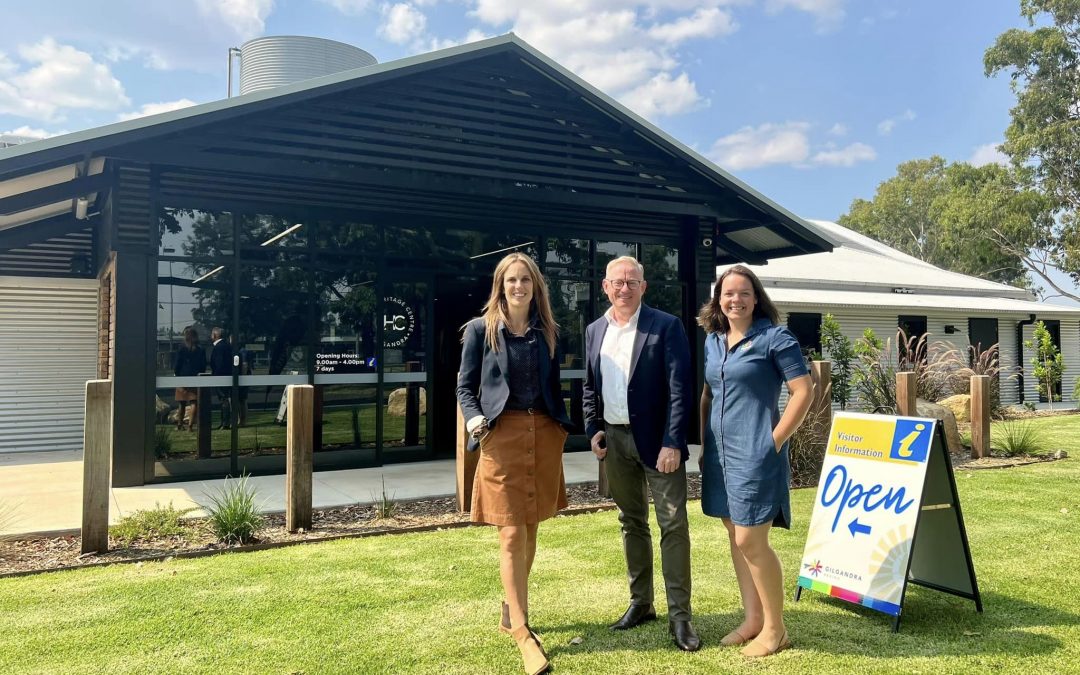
<point>46,487</point>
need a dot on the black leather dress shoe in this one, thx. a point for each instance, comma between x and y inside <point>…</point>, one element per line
<point>635,616</point>
<point>686,638</point>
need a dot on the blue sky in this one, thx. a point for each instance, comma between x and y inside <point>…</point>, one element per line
<point>813,102</point>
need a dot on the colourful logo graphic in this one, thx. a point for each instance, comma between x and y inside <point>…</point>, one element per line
<point>814,569</point>
<point>911,441</point>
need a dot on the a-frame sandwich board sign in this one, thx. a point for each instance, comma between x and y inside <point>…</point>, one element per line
<point>886,514</point>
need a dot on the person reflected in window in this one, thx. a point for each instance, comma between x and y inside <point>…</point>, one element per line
<point>511,399</point>
<point>221,364</point>
<point>190,362</point>
<point>745,469</point>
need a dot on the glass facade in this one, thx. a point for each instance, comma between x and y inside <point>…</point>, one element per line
<point>368,313</point>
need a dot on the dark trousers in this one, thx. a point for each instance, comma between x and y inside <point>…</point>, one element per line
<point>630,482</point>
<point>225,397</point>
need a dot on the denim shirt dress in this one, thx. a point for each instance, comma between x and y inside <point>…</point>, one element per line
<point>743,477</point>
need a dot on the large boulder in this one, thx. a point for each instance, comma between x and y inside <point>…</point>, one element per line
<point>940,412</point>
<point>395,405</point>
<point>960,405</point>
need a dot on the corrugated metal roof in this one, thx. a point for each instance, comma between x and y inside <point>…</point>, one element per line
<point>68,148</point>
<point>994,305</point>
<point>859,263</point>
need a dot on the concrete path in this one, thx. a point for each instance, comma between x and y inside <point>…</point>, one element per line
<point>45,488</point>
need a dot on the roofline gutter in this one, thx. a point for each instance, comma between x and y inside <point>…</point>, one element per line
<point>1020,352</point>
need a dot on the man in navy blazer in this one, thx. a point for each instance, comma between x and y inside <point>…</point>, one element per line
<point>637,404</point>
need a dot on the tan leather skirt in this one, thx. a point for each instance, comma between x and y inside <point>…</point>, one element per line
<point>519,476</point>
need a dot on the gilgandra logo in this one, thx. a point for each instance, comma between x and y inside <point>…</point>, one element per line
<point>399,321</point>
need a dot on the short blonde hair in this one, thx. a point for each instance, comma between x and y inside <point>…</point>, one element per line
<point>625,259</point>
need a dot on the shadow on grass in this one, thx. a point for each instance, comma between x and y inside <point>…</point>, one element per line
<point>934,624</point>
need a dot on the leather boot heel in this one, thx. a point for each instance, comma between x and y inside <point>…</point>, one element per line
<point>532,656</point>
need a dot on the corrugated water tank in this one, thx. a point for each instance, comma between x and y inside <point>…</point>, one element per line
<point>274,61</point>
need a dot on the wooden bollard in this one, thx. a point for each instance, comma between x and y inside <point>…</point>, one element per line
<point>821,406</point>
<point>97,466</point>
<point>980,416</point>
<point>905,395</point>
<point>298,457</point>
<point>465,464</point>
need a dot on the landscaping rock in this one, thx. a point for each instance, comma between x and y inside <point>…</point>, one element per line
<point>960,405</point>
<point>161,408</point>
<point>395,405</point>
<point>940,412</point>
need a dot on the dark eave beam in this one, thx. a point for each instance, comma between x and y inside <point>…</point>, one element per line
<point>52,194</point>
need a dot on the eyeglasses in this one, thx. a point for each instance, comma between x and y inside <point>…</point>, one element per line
<point>632,284</point>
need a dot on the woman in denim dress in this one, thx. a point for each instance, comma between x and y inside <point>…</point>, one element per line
<point>745,470</point>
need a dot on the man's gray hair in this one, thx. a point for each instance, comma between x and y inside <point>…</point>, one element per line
<point>625,259</point>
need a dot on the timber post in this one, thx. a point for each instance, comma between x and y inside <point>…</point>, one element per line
<point>97,469</point>
<point>980,416</point>
<point>905,395</point>
<point>298,456</point>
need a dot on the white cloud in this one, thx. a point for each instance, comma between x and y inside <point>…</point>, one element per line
<point>838,129</point>
<point>156,108</point>
<point>886,126</point>
<point>349,7</point>
<point>246,17</point>
<point>664,96</point>
<point>402,23</point>
<point>704,23</point>
<point>784,144</point>
<point>30,132</point>
<point>118,52</point>
<point>755,147</point>
<point>626,48</point>
<point>988,154</point>
<point>57,77</point>
<point>829,14</point>
<point>847,156</point>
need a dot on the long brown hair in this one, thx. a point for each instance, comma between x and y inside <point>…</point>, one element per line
<point>191,338</point>
<point>495,310</point>
<point>712,319</point>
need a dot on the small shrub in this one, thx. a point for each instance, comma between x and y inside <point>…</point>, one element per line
<point>162,442</point>
<point>842,354</point>
<point>234,516</point>
<point>807,448</point>
<point>1012,438</point>
<point>160,521</point>
<point>385,505</point>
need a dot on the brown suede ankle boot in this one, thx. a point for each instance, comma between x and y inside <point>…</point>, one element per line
<point>532,656</point>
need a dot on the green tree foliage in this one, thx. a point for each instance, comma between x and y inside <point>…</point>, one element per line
<point>1044,136</point>
<point>950,215</point>
<point>839,350</point>
<point>1047,364</point>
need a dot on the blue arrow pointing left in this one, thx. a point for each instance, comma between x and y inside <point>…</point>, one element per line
<point>856,527</point>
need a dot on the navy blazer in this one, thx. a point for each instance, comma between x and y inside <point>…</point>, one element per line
<point>221,358</point>
<point>483,388</point>
<point>659,391</point>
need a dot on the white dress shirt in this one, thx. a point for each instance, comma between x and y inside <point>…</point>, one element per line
<point>616,352</point>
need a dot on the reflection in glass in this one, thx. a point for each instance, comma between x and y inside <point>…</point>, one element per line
<point>606,251</point>
<point>349,237</point>
<point>404,325</point>
<point>348,417</point>
<point>570,306</point>
<point>198,295</point>
<point>346,316</point>
<point>267,231</point>
<point>661,262</point>
<point>179,438</point>
<point>195,234</point>
<point>274,317</point>
<point>572,253</point>
<point>665,297</point>
<point>404,416</point>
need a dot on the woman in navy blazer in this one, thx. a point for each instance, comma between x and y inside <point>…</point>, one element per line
<point>511,399</point>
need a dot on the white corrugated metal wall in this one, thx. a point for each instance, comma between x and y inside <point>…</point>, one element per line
<point>853,321</point>
<point>48,343</point>
<point>1070,352</point>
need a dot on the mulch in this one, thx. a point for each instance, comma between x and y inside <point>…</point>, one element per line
<point>25,555</point>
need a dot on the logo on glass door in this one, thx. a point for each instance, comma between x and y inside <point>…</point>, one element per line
<point>399,321</point>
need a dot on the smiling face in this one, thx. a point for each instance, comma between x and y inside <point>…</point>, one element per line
<point>737,299</point>
<point>517,286</point>
<point>624,287</point>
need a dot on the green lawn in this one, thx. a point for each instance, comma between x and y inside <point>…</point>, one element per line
<point>429,603</point>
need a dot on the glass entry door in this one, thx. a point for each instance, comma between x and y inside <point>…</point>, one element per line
<point>405,337</point>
